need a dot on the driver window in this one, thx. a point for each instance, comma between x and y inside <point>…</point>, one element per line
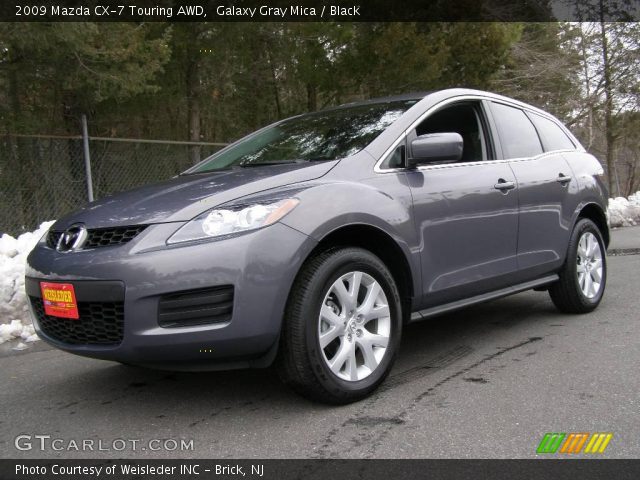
<point>462,118</point>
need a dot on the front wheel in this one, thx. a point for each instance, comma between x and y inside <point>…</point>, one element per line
<point>342,327</point>
<point>584,273</point>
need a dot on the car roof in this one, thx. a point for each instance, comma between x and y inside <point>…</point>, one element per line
<point>417,96</point>
<point>389,99</point>
<point>444,93</point>
<point>407,97</point>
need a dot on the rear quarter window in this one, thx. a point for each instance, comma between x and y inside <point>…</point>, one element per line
<point>518,136</point>
<point>553,137</point>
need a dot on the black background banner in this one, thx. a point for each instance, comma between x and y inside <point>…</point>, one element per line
<point>582,469</point>
<point>323,10</point>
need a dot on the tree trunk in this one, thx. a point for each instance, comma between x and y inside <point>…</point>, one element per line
<point>193,106</point>
<point>634,178</point>
<point>18,157</point>
<point>608,106</point>
<point>587,86</point>
<point>274,79</point>
<point>312,97</point>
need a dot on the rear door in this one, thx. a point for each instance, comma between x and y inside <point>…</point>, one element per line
<point>545,183</point>
<point>466,213</point>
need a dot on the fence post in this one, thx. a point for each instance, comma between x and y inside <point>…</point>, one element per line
<point>87,158</point>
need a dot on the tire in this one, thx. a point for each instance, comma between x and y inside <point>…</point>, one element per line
<point>571,294</point>
<point>318,308</point>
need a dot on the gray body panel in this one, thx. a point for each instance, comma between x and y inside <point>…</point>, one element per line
<point>462,239</point>
<point>241,261</point>
<point>545,211</point>
<point>468,229</point>
<point>182,198</point>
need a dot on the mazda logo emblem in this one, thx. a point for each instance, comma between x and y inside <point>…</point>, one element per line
<point>72,239</point>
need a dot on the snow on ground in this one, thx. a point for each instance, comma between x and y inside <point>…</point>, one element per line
<point>15,322</point>
<point>624,212</point>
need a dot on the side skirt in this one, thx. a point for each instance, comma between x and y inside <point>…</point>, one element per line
<point>485,297</point>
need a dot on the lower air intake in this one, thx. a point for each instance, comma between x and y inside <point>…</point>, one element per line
<point>196,307</point>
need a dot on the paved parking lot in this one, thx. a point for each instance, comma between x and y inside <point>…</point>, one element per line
<point>488,381</point>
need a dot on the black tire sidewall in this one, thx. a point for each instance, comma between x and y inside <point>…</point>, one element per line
<point>581,228</point>
<point>342,262</point>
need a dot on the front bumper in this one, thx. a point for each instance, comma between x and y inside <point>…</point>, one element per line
<point>261,266</point>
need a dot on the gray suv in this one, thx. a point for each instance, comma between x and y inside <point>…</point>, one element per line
<point>312,242</point>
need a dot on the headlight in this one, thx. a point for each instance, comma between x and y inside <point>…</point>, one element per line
<point>226,221</point>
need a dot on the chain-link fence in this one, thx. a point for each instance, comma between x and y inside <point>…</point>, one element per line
<point>44,177</point>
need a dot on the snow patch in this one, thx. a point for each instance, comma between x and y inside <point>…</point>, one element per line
<point>624,212</point>
<point>15,321</point>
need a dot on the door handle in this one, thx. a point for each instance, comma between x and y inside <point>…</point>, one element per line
<point>504,186</point>
<point>563,179</point>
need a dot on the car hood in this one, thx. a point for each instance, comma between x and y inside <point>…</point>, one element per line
<point>186,196</point>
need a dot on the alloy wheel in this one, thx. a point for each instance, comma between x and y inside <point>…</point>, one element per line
<point>354,326</point>
<point>589,265</point>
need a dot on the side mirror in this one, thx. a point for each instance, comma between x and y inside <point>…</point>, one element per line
<point>435,147</point>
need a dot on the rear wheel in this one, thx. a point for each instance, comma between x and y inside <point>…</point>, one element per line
<point>342,327</point>
<point>584,274</point>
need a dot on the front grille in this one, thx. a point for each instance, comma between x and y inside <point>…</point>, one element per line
<point>100,323</point>
<point>196,307</point>
<point>101,237</point>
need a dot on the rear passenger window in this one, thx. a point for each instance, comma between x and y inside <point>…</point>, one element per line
<point>517,134</point>
<point>553,138</point>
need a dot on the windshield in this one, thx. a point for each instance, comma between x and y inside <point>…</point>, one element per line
<point>320,136</point>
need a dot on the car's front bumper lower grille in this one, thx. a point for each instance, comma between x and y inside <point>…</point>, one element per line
<point>100,323</point>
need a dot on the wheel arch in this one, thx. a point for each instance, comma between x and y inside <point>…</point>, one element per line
<point>381,244</point>
<point>596,214</point>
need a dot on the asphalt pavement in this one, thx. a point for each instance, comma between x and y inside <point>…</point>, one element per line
<point>625,240</point>
<point>485,382</point>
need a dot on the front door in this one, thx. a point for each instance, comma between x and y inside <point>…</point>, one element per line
<point>466,213</point>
